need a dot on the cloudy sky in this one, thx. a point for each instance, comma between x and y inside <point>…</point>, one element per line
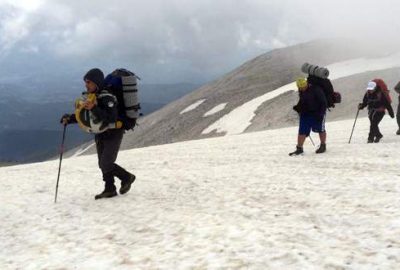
<point>175,40</point>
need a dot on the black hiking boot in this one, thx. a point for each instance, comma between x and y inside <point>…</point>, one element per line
<point>126,185</point>
<point>398,132</point>
<point>378,138</point>
<point>321,149</point>
<point>299,151</point>
<point>108,192</point>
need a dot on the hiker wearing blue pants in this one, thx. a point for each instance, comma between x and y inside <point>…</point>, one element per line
<point>311,107</point>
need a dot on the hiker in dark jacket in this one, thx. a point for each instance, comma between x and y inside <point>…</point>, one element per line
<point>397,89</point>
<point>104,109</point>
<point>311,107</point>
<point>378,102</point>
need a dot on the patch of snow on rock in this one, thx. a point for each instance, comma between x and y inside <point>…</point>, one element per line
<point>216,109</point>
<point>193,106</point>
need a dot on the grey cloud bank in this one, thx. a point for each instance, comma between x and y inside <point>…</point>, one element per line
<point>171,41</point>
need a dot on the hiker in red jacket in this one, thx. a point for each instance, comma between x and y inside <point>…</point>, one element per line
<point>378,100</point>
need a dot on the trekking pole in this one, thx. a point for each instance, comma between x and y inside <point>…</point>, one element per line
<point>309,136</point>
<point>355,120</point>
<point>59,167</point>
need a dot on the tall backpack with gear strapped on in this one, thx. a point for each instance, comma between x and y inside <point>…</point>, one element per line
<point>123,84</point>
<point>319,76</point>
<point>314,70</point>
<point>332,97</point>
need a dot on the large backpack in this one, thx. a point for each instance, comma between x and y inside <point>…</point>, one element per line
<point>383,87</point>
<point>123,84</point>
<point>332,97</point>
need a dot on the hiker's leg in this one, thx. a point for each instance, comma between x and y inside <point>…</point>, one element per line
<point>377,119</point>
<point>372,126</point>
<point>322,137</point>
<point>300,140</point>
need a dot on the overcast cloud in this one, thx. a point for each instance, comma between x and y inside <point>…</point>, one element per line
<point>179,40</point>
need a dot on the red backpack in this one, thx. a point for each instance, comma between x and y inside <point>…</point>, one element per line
<point>382,85</point>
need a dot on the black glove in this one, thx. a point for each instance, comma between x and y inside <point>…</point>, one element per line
<point>360,106</point>
<point>129,124</point>
<point>296,108</point>
<point>391,114</point>
<point>65,119</point>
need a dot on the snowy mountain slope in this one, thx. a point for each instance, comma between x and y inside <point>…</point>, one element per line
<point>229,123</point>
<point>258,95</point>
<point>235,202</point>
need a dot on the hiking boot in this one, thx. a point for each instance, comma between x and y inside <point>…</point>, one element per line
<point>398,132</point>
<point>321,149</point>
<point>299,151</point>
<point>370,141</point>
<point>126,185</point>
<point>108,192</point>
<point>378,138</point>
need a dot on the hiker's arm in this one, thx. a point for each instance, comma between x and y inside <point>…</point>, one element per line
<point>297,107</point>
<point>390,110</point>
<point>388,106</point>
<point>72,119</point>
<point>68,119</point>
<point>322,100</point>
<point>106,110</point>
<point>397,87</point>
<point>364,103</point>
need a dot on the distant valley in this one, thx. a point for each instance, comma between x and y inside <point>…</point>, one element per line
<point>29,126</point>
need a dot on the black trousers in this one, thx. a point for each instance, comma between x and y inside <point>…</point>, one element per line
<point>107,145</point>
<point>375,118</point>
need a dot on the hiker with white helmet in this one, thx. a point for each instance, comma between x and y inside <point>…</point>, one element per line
<point>378,100</point>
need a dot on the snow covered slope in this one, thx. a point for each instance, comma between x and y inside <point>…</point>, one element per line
<point>258,95</point>
<point>239,119</point>
<point>235,202</point>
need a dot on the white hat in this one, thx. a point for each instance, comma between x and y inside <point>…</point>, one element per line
<point>371,85</point>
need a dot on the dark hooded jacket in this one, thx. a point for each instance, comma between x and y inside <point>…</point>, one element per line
<point>312,101</point>
<point>106,109</point>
